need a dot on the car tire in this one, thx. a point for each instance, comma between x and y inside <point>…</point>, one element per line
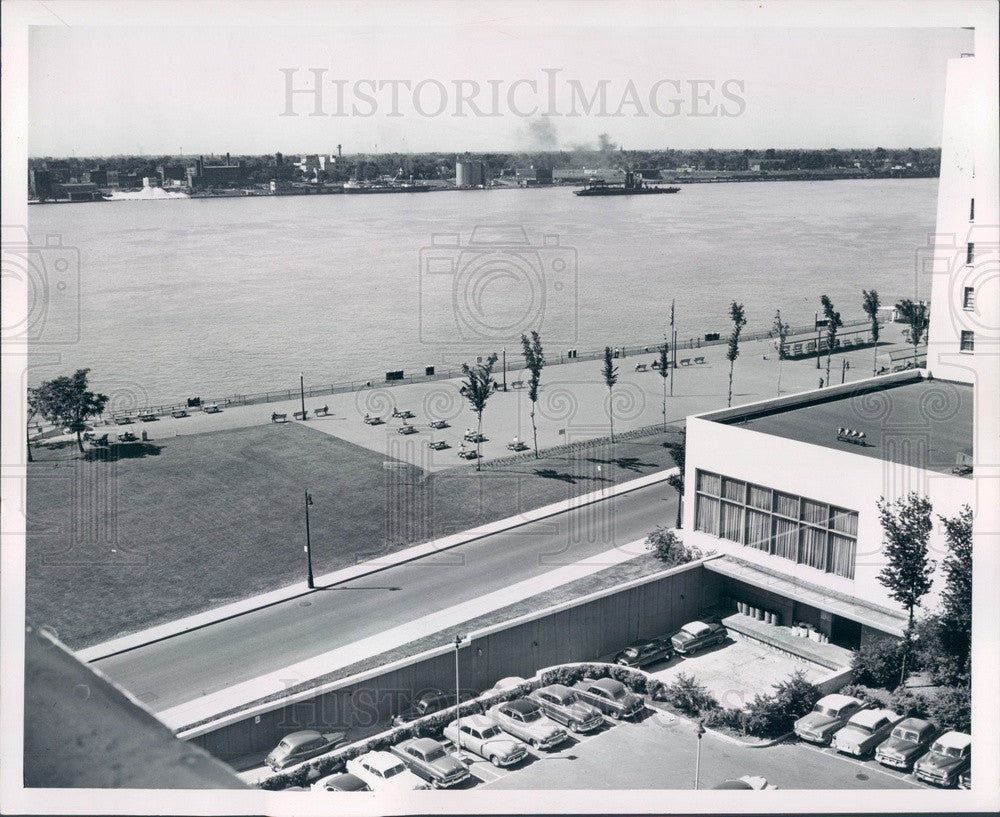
<point>495,760</point>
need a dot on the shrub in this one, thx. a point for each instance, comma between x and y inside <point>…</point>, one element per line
<point>567,676</point>
<point>635,681</point>
<point>770,716</point>
<point>862,693</point>
<point>275,782</point>
<point>689,696</point>
<point>879,663</point>
<point>670,549</point>
<point>796,694</point>
<point>909,704</point>
<point>951,708</point>
<point>731,718</point>
<point>300,776</point>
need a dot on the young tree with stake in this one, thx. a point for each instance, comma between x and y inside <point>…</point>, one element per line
<point>67,402</point>
<point>676,481</point>
<point>477,388</point>
<point>781,330</point>
<point>917,317</point>
<point>534,362</point>
<point>833,323</point>
<point>870,303</point>
<point>739,320</point>
<point>664,374</point>
<point>610,373</point>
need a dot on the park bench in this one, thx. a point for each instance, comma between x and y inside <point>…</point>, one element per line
<point>685,361</point>
<point>322,411</point>
<point>373,421</point>
<point>178,413</point>
<point>640,367</point>
<point>278,418</point>
<point>517,384</point>
<point>123,421</point>
<point>699,360</point>
<point>211,408</point>
<point>849,435</point>
<point>300,415</point>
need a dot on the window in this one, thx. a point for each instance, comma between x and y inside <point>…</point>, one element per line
<point>970,252</point>
<point>969,298</point>
<point>793,527</point>
<point>972,209</point>
<point>968,341</point>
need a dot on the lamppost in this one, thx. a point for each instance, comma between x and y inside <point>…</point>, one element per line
<point>505,370</point>
<point>699,731</point>
<point>308,547</point>
<point>302,392</point>
<point>458,713</point>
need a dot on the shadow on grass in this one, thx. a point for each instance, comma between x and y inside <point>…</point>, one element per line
<point>626,463</point>
<point>551,473</point>
<point>127,451</point>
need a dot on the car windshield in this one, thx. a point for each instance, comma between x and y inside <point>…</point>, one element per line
<point>952,751</point>
<point>865,730</point>
<point>434,754</point>
<point>491,732</point>
<point>829,711</point>
<point>687,632</point>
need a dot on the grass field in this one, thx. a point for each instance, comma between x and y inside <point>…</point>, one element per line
<point>171,528</point>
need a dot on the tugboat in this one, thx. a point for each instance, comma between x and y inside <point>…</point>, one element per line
<point>634,186</point>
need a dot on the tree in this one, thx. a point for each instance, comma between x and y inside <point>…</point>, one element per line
<point>739,321</point>
<point>833,322</point>
<point>477,389</point>
<point>664,374</point>
<point>66,402</point>
<point>870,303</point>
<point>917,318</point>
<point>956,596</point>
<point>34,408</point>
<point>781,330</point>
<point>676,481</point>
<point>670,549</point>
<point>610,374</point>
<point>534,362</point>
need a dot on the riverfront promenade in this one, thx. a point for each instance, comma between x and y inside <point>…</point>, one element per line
<point>572,406</point>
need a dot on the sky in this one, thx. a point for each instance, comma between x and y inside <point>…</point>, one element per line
<point>167,90</point>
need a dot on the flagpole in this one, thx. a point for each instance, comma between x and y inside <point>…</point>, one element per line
<point>673,345</point>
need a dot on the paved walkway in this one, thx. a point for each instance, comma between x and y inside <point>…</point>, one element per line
<point>572,406</point>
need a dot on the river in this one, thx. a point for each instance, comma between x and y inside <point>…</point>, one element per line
<point>215,297</point>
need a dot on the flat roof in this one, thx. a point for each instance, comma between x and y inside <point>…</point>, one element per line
<point>917,422</point>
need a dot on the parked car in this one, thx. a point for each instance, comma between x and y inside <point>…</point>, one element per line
<point>829,714</point>
<point>949,757</point>
<point>965,779</point>
<point>510,682</point>
<point>746,783</point>
<point>341,782</point>
<point>561,704</point>
<point>385,772</point>
<point>299,746</point>
<point>427,758</point>
<point>909,740</point>
<point>610,696</point>
<point>646,651</point>
<point>524,719</point>
<point>427,704</point>
<point>864,731</point>
<point>479,735</point>
<point>696,636</point>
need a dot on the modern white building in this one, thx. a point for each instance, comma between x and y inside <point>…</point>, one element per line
<point>791,501</point>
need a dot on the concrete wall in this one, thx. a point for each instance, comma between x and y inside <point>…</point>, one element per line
<point>581,632</point>
<point>824,474</point>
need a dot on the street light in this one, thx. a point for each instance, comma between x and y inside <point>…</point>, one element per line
<point>302,394</point>
<point>699,731</point>
<point>308,547</point>
<point>458,713</point>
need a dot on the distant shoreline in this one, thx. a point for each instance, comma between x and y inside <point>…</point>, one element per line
<point>338,189</point>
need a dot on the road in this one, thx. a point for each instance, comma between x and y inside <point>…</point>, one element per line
<point>188,666</point>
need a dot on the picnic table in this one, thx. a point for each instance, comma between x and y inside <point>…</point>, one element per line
<point>211,408</point>
<point>373,421</point>
<point>467,453</point>
<point>405,414</point>
<point>178,414</point>
<point>127,437</point>
<point>517,445</point>
<point>438,445</point>
<point>123,421</point>
<point>438,424</point>
<point>474,436</point>
<point>146,416</point>
<point>406,428</point>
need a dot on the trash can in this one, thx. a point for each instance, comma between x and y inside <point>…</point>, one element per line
<point>429,371</point>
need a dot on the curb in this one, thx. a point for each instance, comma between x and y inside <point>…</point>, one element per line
<point>197,621</point>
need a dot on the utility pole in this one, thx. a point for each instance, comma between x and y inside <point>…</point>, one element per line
<point>458,708</point>
<point>505,370</point>
<point>673,344</point>
<point>308,548</point>
<point>302,393</point>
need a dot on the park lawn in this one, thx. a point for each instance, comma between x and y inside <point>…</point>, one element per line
<point>189,523</point>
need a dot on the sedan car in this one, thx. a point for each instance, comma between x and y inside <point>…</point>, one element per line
<point>909,740</point>
<point>341,782</point>
<point>427,758</point>
<point>427,704</point>
<point>524,719</point>
<point>561,704</point>
<point>646,651</point>
<point>746,783</point>
<point>949,757</point>
<point>385,772</point>
<point>696,636</point>
<point>299,746</point>
<point>829,714</point>
<point>610,696</point>
<point>864,731</point>
<point>479,735</point>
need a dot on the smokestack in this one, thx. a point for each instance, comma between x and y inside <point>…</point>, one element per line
<point>227,158</point>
